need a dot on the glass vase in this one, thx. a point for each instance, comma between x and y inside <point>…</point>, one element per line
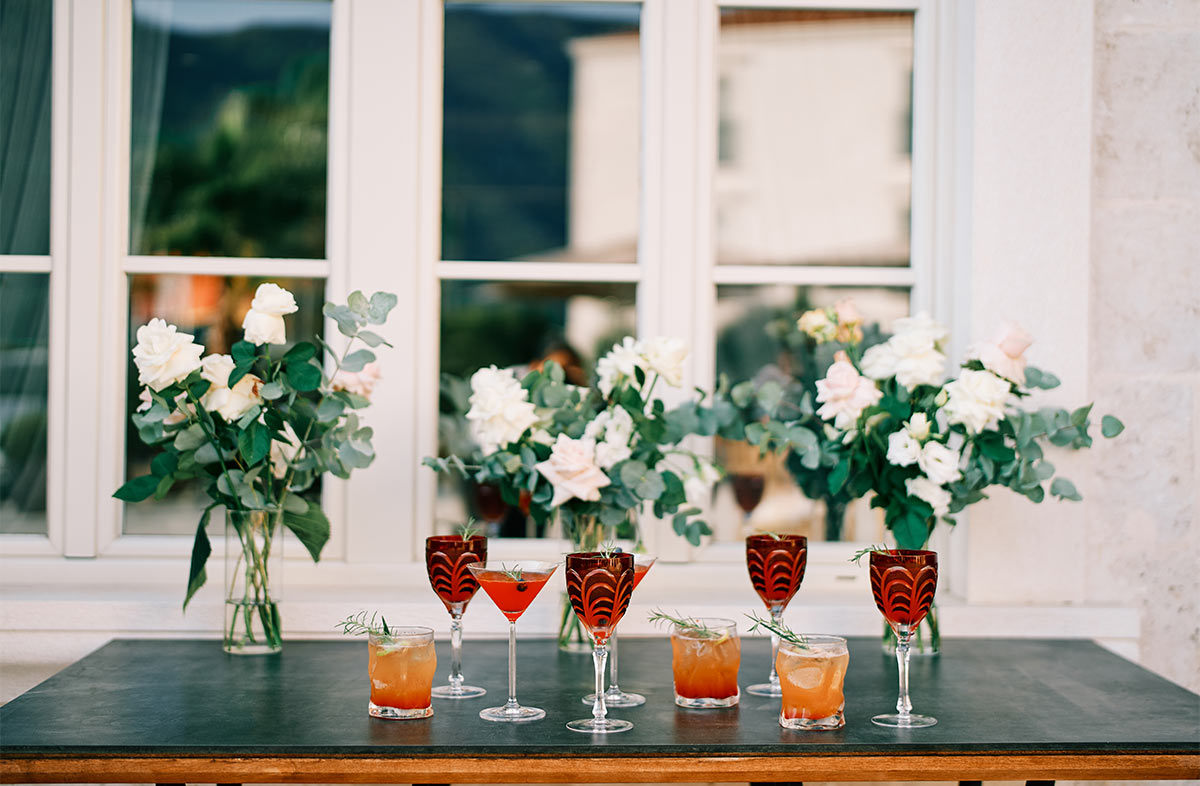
<point>253,573</point>
<point>587,534</point>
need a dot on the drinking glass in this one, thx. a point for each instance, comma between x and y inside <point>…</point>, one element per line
<point>812,675</point>
<point>748,491</point>
<point>600,585</point>
<point>401,666</point>
<point>614,696</point>
<point>446,560</point>
<point>512,586</point>
<point>704,663</point>
<point>903,582</point>
<point>776,564</point>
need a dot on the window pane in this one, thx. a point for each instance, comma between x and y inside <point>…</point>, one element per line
<point>815,137</point>
<point>541,131</point>
<point>230,103</point>
<point>211,308</point>
<point>25,66</point>
<point>515,324</point>
<point>752,323</point>
<point>24,375</point>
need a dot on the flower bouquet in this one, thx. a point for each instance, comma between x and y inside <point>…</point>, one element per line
<point>926,447</point>
<point>595,455</point>
<point>256,429</point>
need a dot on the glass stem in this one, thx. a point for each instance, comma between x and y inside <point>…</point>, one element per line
<point>456,677</point>
<point>612,646</point>
<point>777,618</point>
<point>512,705</point>
<point>903,704</point>
<point>600,658</point>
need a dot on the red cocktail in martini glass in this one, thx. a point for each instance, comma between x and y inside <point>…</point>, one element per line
<point>512,586</point>
<point>614,696</point>
<point>446,560</point>
<point>600,585</point>
<point>776,564</point>
<point>903,582</point>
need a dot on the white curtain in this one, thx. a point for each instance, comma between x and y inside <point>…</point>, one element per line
<point>150,50</point>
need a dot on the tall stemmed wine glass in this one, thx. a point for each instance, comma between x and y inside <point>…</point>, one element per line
<point>600,585</point>
<point>776,564</point>
<point>748,491</point>
<point>903,582</point>
<point>614,696</point>
<point>446,560</point>
<point>512,586</point>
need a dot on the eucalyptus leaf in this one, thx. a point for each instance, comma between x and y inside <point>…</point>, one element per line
<point>381,304</point>
<point>372,339</point>
<point>1110,426</point>
<point>356,361</point>
<point>190,438</point>
<point>330,409</point>
<point>271,391</point>
<point>1064,489</point>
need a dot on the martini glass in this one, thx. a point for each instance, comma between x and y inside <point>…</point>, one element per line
<point>600,586</point>
<point>446,560</point>
<point>903,582</point>
<point>614,696</point>
<point>776,564</point>
<point>512,586</point>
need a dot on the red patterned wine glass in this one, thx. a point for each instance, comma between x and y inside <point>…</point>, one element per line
<point>512,586</point>
<point>776,564</point>
<point>903,582</point>
<point>446,560</point>
<point>600,585</point>
<point>614,696</point>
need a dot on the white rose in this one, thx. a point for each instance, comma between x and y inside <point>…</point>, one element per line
<point>903,449</point>
<point>879,361</point>
<point>572,471</point>
<point>273,299</point>
<point>918,361</point>
<point>282,453</point>
<point>620,362</point>
<point>261,328</point>
<point>216,369</point>
<point>698,485</point>
<point>609,453</point>
<point>939,463</point>
<point>361,383</point>
<point>1004,355</point>
<point>923,488</point>
<point>918,426</point>
<point>664,356</point>
<point>923,327</point>
<point>500,408</point>
<point>229,403</point>
<point>541,436</point>
<point>844,393</point>
<point>163,355</point>
<point>977,400</point>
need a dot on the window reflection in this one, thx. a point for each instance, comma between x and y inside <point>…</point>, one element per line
<point>24,376</point>
<point>229,123</point>
<point>541,131</point>
<point>515,324</point>
<point>756,339</point>
<point>814,137</point>
<point>211,308</point>
<point>25,66</point>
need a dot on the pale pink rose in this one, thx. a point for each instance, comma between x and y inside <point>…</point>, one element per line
<point>572,470</point>
<point>849,320</point>
<point>361,383</point>
<point>844,393</point>
<point>1004,355</point>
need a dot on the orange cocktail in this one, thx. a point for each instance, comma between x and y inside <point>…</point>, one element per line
<point>812,675</point>
<point>401,666</point>
<point>512,591</point>
<point>705,657</point>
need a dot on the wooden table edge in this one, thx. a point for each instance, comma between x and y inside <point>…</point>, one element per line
<point>592,769</point>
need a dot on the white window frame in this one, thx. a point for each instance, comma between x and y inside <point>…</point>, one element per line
<point>384,204</point>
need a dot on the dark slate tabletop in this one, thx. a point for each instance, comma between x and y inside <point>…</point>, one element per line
<point>189,698</point>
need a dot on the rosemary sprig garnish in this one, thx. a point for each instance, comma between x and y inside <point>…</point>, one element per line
<point>608,548</point>
<point>357,624</point>
<point>469,530</point>
<point>690,624</point>
<point>858,555</point>
<point>781,630</point>
<point>513,573</point>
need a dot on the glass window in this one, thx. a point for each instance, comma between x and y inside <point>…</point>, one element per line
<point>24,375</point>
<point>815,142</point>
<point>515,324</point>
<point>541,131</point>
<point>25,99</point>
<point>757,339</point>
<point>229,121</point>
<point>211,308</point>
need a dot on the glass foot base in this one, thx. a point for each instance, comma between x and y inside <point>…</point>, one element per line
<point>396,713</point>
<point>765,689</point>
<point>903,721</point>
<point>617,698</point>
<point>516,714</point>
<point>459,692</point>
<point>705,703</point>
<point>606,726</point>
<point>829,722</point>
